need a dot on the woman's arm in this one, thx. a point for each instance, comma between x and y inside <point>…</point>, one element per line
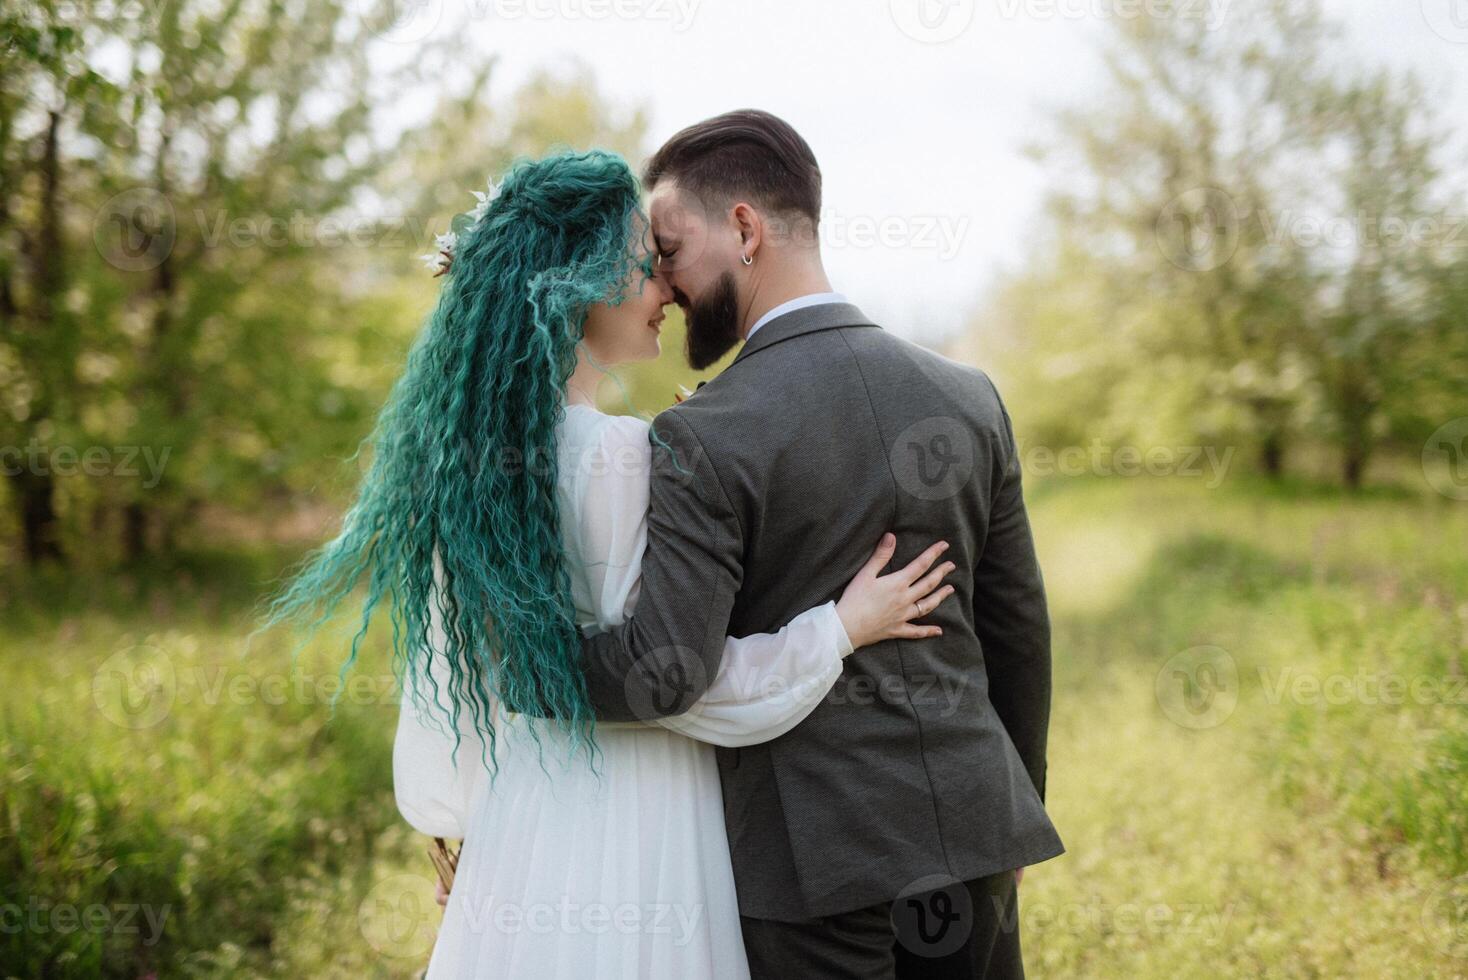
<point>433,789</point>
<point>769,682</point>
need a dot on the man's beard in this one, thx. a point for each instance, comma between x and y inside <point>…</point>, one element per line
<point>713,323</point>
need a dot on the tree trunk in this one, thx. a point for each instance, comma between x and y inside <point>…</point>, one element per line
<point>35,491</point>
<point>1357,410</point>
<point>134,532</point>
<point>40,528</point>
<point>1271,456</point>
<point>163,378</point>
<point>1353,466</point>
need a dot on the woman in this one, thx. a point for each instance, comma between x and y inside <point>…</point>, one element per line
<point>502,514</point>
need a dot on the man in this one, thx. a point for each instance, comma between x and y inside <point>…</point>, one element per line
<point>905,804</point>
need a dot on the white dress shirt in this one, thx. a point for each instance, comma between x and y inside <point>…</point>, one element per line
<point>790,306</point>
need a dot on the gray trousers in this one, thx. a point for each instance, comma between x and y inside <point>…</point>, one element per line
<point>960,930</point>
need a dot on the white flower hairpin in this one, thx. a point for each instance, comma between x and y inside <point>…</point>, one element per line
<point>448,242</point>
<point>484,198</point>
<point>439,261</point>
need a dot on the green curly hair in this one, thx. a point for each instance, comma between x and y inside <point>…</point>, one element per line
<point>464,455</point>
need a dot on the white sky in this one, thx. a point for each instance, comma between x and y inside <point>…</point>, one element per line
<point>925,137</point>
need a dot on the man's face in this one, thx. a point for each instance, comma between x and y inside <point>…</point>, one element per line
<point>698,253</point>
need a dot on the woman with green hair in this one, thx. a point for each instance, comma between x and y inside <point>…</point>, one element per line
<point>502,515</point>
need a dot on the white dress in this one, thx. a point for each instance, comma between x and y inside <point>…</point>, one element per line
<point>567,877</point>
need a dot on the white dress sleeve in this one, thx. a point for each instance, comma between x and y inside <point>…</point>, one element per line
<point>433,789</point>
<point>768,682</point>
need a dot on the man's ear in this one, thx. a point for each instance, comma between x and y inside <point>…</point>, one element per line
<point>751,228</point>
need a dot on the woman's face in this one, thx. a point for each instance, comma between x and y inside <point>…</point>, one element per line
<point>630,330</point>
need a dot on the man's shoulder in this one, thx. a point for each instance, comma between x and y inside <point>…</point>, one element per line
<point>911,370</point>
<point>885,343</point>
<point>686,427</point>
<point>700,413</point>
<point>874,361</point>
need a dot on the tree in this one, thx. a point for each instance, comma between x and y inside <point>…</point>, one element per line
<point>44,86</point>
<point>1192,234</point>
<point>208,245</point>
<point>1374,292</point>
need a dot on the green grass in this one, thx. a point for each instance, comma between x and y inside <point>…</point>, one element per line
<point>174,802</point>
<point>1298,827</point>
<point>1284,822</point>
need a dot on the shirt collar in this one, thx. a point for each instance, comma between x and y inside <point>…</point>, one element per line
<point>790,306</point>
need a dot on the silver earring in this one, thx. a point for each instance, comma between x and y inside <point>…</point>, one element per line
<point>746,260</point>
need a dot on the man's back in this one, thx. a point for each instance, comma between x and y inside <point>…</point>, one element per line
<point>927,756</point>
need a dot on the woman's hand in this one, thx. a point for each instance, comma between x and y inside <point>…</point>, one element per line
<point>875,608</point>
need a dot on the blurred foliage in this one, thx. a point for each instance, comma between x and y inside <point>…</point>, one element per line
<point>1251,242</point>
<point>166,802</point>
<point>210,217</point>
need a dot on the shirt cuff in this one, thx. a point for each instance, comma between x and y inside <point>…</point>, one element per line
<point>843,642</point>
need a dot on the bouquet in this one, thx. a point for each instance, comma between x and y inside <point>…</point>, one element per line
<point>445,861</point>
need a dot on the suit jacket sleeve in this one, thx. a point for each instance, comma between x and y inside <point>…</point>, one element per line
<point>1010,614</point>
<point>663,658</point>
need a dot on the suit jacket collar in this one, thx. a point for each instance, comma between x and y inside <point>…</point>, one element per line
<point>810,319</point>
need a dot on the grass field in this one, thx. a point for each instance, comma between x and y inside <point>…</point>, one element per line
<point>1259,756</point>
<point>1260,739</point>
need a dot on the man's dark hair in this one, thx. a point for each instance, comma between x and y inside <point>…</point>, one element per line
<point>744,153</point>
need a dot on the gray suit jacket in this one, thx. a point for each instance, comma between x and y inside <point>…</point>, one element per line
<point>771,486</point>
